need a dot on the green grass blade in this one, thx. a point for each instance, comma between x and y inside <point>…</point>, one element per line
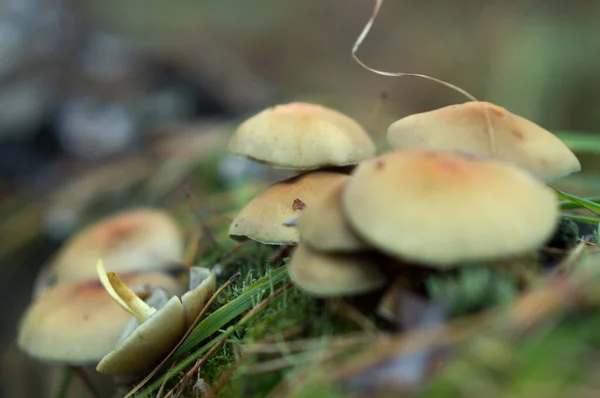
<point>587,220</point>
<point>218,319</point>
<point>568,205</point>
<point>584,203</point>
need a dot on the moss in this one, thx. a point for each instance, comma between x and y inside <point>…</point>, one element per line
<point>471,289</point>
<point>566,235</point>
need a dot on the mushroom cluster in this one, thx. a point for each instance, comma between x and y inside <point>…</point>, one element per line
<point>73,319</point>
<point>445,197</point>
<point>318,143</point>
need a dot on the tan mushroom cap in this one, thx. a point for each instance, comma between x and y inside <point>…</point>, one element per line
<point>324,274</point>
<point>79,323</point>
<point>148,343</point>
<point>302,136</point>
<point>203,284</point>
<point>262,219</point>
<point>442,209</point>
<point>464,128</point>
<point>323,225</point>
<point>142,239</point>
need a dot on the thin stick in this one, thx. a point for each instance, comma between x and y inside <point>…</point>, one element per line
<point>362,37</point>
<point>164,383</point>
<point>85,379</point>
<point>65,382</point>
<point>307,344</point>
<point>226,336</point>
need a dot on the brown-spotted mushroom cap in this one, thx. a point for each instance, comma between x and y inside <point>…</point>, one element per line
<point>442,208</point>
<point>324,274</point>
<point>262,219</point>
<point>323,226</point>
<point>79,323</point>
<point>302,136</point>
<point>141,239</point>
<point>159,330</point>
<point>464,128</point>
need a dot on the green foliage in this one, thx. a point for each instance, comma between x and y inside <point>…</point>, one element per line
<point>471,289</point>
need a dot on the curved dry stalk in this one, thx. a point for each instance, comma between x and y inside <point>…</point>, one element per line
<point>361,38</point>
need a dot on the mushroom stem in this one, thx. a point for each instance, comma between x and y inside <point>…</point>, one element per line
<point>123,295</point>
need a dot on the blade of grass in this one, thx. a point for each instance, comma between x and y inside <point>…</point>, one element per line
<point>230,311</point>
<point>583,219</point>
<point>569,205</point>
<point>584,203</point>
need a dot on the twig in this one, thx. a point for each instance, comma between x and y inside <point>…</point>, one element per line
<point>307,344</point>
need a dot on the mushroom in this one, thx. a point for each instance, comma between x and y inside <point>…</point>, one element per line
<point>158,332</point>
<point>262,219</point>
<point>158,323</point>
<point>142,239</point>
<point>323,226</point>
<point>302,136</point>
<point>324,274</point>
<point>202,285</point>
<point>78,323</point>
<point>444,208</point>
<point>464,127</point>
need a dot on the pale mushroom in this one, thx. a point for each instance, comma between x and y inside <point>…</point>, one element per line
<point>443,209</point>
<point>324,274</point>
<point>262,219</point>
<point>302,136</point>
<point>465,128</point>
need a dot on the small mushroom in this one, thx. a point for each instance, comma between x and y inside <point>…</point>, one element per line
<point>158,332</point>
<point>324,274</point>
<point>443,208</point>
<point>202,285</point>
<point>136,240</point>
<point>323,225</point>
<point>464,127</point>
<point>262,219</point>
<point>158,323</point>
<point>302,136</point>
<point>78,323</point>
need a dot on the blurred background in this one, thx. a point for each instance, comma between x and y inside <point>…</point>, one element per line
<point>98,97</point>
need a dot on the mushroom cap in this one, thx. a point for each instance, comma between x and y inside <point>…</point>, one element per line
<point>203,284</point>
<point>302,136</point>
<point>464,128</point>
<point>262,219</point>
<point>323,225</point>
<point>135,240</point>
<point>148,343</point>
<point>443,208</point>
<point>324,274</point>
<point>79,323</point>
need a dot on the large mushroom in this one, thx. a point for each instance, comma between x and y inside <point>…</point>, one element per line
<point>446,208</point>
<point>465,127</point>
